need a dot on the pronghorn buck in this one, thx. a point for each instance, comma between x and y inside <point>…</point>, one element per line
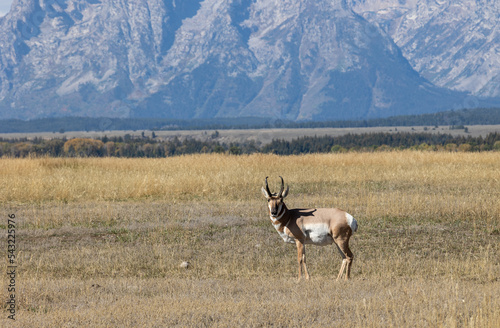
<point>317,226</point>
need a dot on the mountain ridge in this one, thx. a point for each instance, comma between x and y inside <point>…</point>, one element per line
<point>454,44</point>
<point>293,60</point>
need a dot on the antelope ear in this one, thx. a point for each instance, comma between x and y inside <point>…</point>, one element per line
<point>285,193</point>
<point>264,191</point>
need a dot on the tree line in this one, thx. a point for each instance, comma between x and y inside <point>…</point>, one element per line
<point>129,146</point>
<point>383,141</point>
<point>62,124</point>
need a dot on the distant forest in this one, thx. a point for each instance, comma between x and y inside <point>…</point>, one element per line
<point>64,124</point>
<point>129,146</point>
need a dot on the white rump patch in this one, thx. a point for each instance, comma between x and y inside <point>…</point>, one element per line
<point>351,222</point>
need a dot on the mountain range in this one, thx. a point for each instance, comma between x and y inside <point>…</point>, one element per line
<point>454,44</point>
<point>285,59</point>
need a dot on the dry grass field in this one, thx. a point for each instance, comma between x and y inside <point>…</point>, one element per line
<point>100,240</point>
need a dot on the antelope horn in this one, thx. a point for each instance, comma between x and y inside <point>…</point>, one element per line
<point>282,187</point>
<point>267,188</point>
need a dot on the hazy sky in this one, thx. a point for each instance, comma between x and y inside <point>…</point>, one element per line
<point>4,6</point>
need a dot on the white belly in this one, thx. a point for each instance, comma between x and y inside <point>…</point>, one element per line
<point>317,234</point>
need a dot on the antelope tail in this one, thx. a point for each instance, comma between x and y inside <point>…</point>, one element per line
<point>351,222</point>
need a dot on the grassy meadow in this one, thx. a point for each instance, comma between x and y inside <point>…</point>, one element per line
<point>99,241</point>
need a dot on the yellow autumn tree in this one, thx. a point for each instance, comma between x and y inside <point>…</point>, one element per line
<point>84,147</point>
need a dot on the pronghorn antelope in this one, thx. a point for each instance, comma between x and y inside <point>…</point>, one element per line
<point>317,226</point>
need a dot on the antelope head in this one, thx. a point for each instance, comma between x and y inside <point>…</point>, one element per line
<point>275,200</point>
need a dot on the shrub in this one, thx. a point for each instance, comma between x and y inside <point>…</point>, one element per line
<point>84,147</point>
<point>465,147</point>
<point>338,149</point>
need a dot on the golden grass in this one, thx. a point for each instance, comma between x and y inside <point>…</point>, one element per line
<point>100,241</point>
<point>272,302</point>
<point>402,184</point>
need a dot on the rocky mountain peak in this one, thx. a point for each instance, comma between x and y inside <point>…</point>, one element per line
<point>454,44</point>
